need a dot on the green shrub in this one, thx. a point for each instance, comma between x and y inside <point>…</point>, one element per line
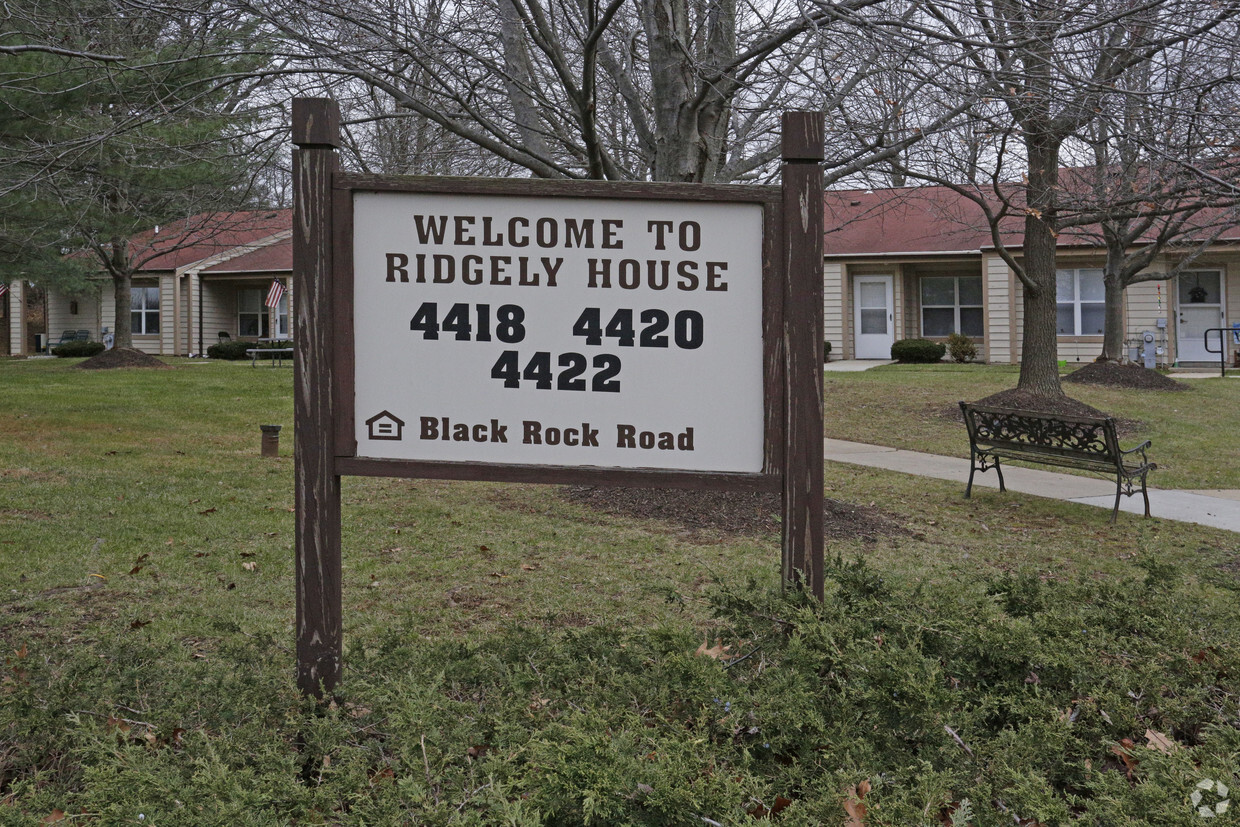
<point>961,348</point>
<point>918,351</point>
<point>229,350</point>
<point>78,349</point>
<point>1018,698</point>
<point>236,349</point>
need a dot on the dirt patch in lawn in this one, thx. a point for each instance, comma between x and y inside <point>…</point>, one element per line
<point>121,357</point>
<point>1023,400</point>
<point>1026,401</point>
<point>703,513</point>
<point>1115,375</point>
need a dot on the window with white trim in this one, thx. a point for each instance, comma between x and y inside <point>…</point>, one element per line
<point>252,319</point>
<point>1200,287</point>
<point>144,310</point>
<point>1080,302</point>
<point>951,304</point>
<point>282,317</point>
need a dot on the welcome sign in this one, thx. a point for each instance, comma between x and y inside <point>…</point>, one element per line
<point>553,331</point>
<point>563,332</point>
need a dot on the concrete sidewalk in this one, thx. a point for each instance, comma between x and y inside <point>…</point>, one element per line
<point>1218,509</point>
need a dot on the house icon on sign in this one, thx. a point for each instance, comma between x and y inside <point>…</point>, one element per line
<point>385,425</point>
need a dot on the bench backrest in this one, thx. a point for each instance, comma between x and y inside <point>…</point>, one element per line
<point>1067,436</point>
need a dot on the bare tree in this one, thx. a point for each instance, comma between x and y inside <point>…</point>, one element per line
<point>1162,162</point>
<point>669,90</point>
<point>1043,70</point>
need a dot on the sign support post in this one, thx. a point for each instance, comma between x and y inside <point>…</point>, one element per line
<point>801,176</point>
<point>316,134</point>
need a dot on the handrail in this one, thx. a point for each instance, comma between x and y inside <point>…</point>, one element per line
<point>1222,345</point>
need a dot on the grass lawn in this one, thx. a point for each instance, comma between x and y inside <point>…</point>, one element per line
<point>902,406</point>
<point>514,658</point>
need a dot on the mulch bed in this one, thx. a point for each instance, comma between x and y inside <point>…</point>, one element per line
<point>1115,375</point>
<point>728,512</point>
<point>1027,401</point>
<point>121,357</point>
<point>1054,405</point>
<point>1108,374</point>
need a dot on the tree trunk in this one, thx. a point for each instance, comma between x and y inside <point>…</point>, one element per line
<point>1039,360</point>
<point>1113,310</point>
<point>715,106</point>
<point>122,328</point>
<point>122,282</point>
<point>519,79</point>
<point>672,82</point>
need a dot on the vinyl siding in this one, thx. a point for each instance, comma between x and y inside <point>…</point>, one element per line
<point>219,311</point>
<point>16,298</point>
<point>997,294</point>
<point>832,307</point>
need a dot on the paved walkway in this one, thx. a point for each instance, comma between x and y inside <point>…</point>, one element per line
<point>1219,509</point>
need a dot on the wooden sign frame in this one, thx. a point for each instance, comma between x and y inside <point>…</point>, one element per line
<point>792,336</point>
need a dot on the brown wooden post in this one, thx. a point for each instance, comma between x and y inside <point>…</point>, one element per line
<point>316,134</point>
<point>803,136</point>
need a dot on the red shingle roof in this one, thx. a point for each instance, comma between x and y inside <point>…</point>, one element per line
<point>276,257</point>
<point>934,220</point>
<point>906,220</point>
<point>206,235</point>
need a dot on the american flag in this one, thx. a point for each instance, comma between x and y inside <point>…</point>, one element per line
<point>4,288</point>
<point>275,293</point>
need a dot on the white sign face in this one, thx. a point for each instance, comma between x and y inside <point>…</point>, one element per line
<point>558,331</point>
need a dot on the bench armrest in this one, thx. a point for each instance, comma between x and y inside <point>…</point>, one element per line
<point>1140,449</point>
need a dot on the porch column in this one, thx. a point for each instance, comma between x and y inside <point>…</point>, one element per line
<point>176,315</point>
<point>17,318</point>
<point>191,280</point>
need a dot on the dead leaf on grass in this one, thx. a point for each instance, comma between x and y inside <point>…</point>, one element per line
<point>54,816</point>
<point>250,566</point>
<point>1122,751</point>
<point>208,511</point>
<point>759,810</point>
<point>854,804</point>
<point>716,652</point>
<point>1160,742</point>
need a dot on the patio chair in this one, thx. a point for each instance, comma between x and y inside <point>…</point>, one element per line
<point>67,336</point>
<point>83,335</point>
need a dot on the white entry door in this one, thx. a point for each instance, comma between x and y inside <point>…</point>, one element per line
<point>873,317</point>
<point>1200,297</point>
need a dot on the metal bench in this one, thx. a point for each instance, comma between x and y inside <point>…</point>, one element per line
<point>1084,443</point>
<point>276,354</point>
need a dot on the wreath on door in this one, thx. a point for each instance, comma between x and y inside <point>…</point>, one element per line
<point>1197,294</point>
